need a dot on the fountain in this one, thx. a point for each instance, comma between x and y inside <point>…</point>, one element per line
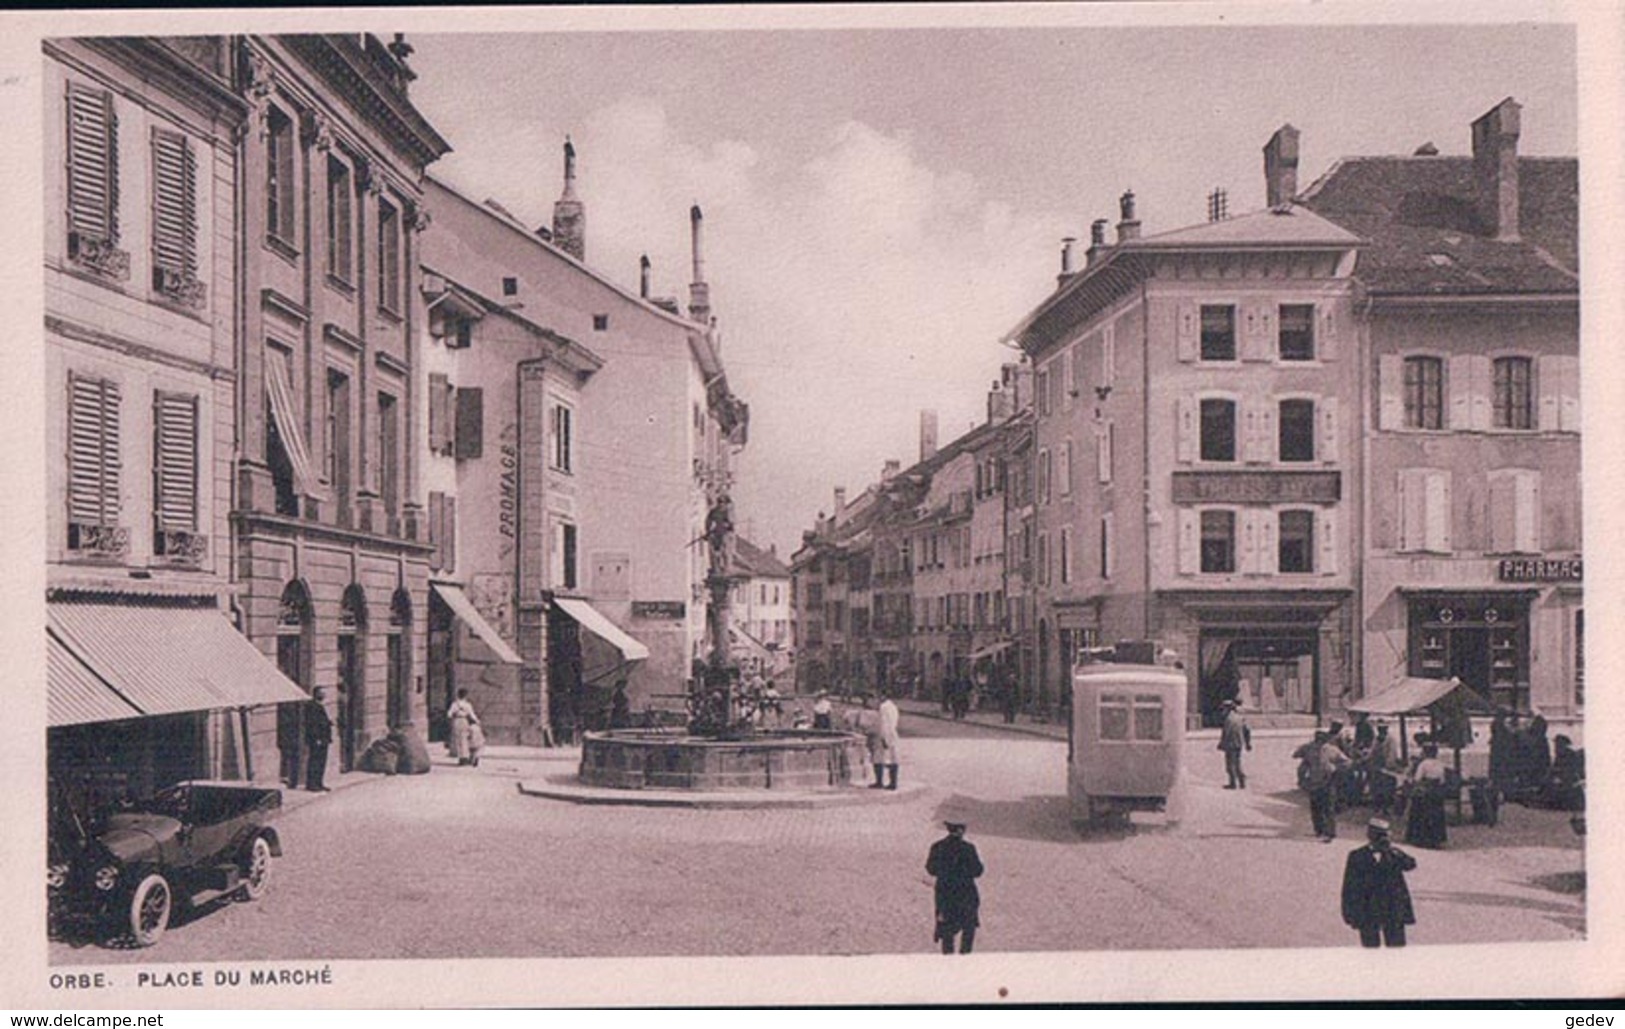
<point>722,748</point>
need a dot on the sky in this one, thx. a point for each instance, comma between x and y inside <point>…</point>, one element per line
<point>883,205</point>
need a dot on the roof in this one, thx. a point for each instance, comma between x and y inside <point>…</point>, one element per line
<point>1285,226</point>
<point>1425,235</point>
<point>749,559</point>
<point>1412,695</point>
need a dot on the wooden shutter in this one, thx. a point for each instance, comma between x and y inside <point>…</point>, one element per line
<point>1326,341</point>
<point>1189,541</point>
<point>1256,338</point>
<point>1406,502</point>
<point>1526,498</point>
<point>470,423</point>
<point>1390,392</point>
<point>1185,429</point>
<point>1459,383</point>
<point>439,436</point>
<point>1568,393</point>
<point>448,549</point>
<point>1326,447</point>
<point>1327,541</point>
<point>175,461</point>
<point>1187,333</point>
<point>1438,510</point>
<point>93,451</point>
<point>1247,555</point>
<point>1269,555</point>
<point>92,163</point>
<point>437,529</point>
<point>1483,378</point>
<point>1068,367</point>
<point>1502,514</point>
<point>174,203</point>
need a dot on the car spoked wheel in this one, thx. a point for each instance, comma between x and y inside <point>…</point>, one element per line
<point>150,906</point>
<point>257,870</point>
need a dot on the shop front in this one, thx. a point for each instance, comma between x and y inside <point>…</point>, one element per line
<point>1481,637</point>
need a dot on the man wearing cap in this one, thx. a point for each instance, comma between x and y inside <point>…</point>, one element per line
<point>1235,737</point>
<point>1376,900</point>
<point>956,865</point>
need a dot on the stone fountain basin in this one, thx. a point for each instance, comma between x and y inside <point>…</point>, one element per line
<point>777,759</point>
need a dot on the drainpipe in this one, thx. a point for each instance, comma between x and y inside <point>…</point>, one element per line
<point>239,390</point>
<point>1145,450</point>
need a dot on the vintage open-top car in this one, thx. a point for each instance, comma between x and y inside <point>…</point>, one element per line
<point>125,869</point>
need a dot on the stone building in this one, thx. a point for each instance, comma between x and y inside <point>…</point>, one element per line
<point>332,539</point>
<point>148,678</point>
<point>1471,558</point>
<point>759,614</point>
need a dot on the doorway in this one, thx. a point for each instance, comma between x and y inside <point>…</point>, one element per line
<point>442,685</point>
<point>293,661</point>
<point>352,678</point>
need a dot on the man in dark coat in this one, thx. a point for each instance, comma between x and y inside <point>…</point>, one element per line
<point>956,865</point>
<point>318,735</point>
<point>1234,737</point>
<point>1376,900</point>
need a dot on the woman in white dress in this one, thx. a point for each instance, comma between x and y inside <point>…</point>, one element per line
<point>461,715</point>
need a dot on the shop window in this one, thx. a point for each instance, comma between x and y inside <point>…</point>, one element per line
<point>1218,332</point>
<point>1218,541</point>
<point>1218,430</point>
<point>1424,393</point>
<point>1297,430</point>
<point>1297,332</point>
<point>1296,542</point>
<point>1514,395</point>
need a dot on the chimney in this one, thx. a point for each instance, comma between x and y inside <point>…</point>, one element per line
<point>890,469</point>
<point>1281,167</point>
<point>1097,240</point>
<point>1066,259</point>
<point>1495,168</point>
<point>928,435</point>
<point>699,293</point>
<point>1000,404</point>
<point>840,501</point>
<point>643,276</point>
<point>1129,227</point>
<point>569,215</point>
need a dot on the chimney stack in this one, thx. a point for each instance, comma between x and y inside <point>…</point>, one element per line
<point>1097,240</point>
<point>840,501</point>
<point>1495,168</point>
<point>1066,258</point>
<point>1129,227</point>
<point>699,292</point>
<point>643,276</point>
<point>890,469</point>
<point>1281,167</point>
<point>569,215</point>
<point>928,435</point>
<point>1000,404</point>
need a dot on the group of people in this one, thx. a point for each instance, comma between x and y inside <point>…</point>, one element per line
<point>1525,766</point>
<point>878,724</point>
<point>1360,764</point>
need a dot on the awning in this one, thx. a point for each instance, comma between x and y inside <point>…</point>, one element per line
<point>1412,695</point>
<point>153,660</point>
<point>594,622</point>
<point>991,649</point>
<point>279,386</point>
<point>464,608</point>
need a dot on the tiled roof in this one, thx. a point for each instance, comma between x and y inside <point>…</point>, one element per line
<point>1286,226</point>
<point>749,559</point>
<point>1425,236</point>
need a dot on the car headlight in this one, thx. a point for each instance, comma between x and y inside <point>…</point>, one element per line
<point>56,876</point>
<point>106,877</point>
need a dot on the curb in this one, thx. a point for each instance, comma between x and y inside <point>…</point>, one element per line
<point>1058,733</point>
<point>570,791</point>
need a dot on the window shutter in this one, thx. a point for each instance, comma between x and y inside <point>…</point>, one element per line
<point>437,529</point>
<point>1103,452</point>
<point>1256,337</point>
<point>1269,555</point>
<point>1247,528</point>
<point>1066,468</point>
<point>1108,356</point>
<point>1185,417</point>
<point>1326,443</point>
<point>1548,407</point>
<point>1391,392</point>
<point>174,203</point>
<point>92,163</point>
<point>1483,378</point>
<point>1326,541</point>
<point>1459,381</point>
<point>1407,504</point>
<point>1437,492</point>
<point>470,423</point>
<point>1527,499</point>
<point>438,436</point>
<point>1568,394</point>
<point>1190,541</point>
<point>1503,514</point>
<point>1068,367</point>
<point>93,451</point>
<point>1186,335</point>
<point>448,523</point>
<point>175,461</point>
<point>1326,331</point>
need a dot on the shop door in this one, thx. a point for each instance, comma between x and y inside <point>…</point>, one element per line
<point>290,718</point>
<point>352,702</point>
<point>442,666</point>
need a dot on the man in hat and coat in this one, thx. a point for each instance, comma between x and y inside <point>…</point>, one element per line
<point>1234,737</point>
<point>954,863</point>
<point>318,728</point>
<point>1376,901</point>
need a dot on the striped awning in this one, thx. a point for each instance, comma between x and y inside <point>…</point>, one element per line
<point>279,386</point>
<point>595,622</point>
<point>470,615</point>
<point>153,659</point>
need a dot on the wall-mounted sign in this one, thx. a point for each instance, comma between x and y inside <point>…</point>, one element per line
<point>659,609</point>
<point>1538,569</point>
<point>1276,487</point>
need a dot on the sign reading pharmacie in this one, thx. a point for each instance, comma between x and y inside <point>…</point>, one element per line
<point>1538,569</point>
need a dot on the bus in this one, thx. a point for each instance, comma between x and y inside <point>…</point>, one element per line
<point>1126,738</point>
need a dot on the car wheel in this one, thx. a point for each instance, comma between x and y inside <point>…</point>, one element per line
<point>150,906</point>
<point>257,869</point>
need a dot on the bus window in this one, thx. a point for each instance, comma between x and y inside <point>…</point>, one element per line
<point>1147,716</point>
<point>1114,716</point>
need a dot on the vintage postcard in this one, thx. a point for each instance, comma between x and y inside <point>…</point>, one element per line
<point>810,506</point>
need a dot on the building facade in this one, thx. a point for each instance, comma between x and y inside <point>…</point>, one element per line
<point>760,625</point>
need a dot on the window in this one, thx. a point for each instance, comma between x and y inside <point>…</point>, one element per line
<point>1514,407</point>
<point>1297,332</point>
<point>1425,510</point>
<point>564,555</point>
<point>443,532</point>
<point>1218,430</point>
<point>468,427</point>
<point>340,221</point>
<point>1147,716</point>
<point>174,469</point>
<point>389,256</point>
<point>563,439</point>
<point>337,455</point>
<point>1124,716</point>
<point>389,455</point>
<point>1066,555</point>
<point>1297,430</point>
<point>92,173</point>
<point>1041,384</point>
<point>93,465</point>
<point>510,286</point>
<point>1104,439</point>
<point>1043,559</point>
<point>1514,511</point>
<point>174,218</point>
<point>1066,469</point>
<point>279,177</point>
<point>1218,332</point>
<point>600,323</point>
<point>1579,658</point>
<point>1218,541</point>
<point>1106,555</point>
<point>1424,393</point>
<point>1043,476</point>
<point>1296,542</point>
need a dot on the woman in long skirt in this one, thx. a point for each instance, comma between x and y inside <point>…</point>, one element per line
<point>1425,822</point>
<point>461,716</point>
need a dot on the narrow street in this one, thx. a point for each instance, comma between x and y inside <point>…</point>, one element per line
<point>459,864</point>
